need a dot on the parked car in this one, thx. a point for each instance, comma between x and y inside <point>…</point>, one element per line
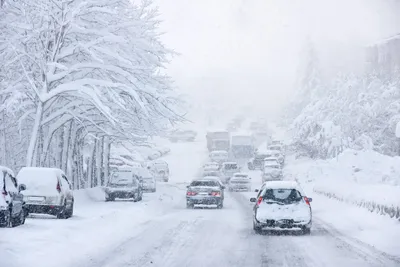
<point>240,182</point>
<point>48,191</point>
<point>228,169</point>
<point>149,182</point>
<point>282,205</point>
<point>124,184</point>
<point>205,192</point>
<point>12,206</point>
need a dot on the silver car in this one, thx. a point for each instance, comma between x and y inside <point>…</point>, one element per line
<point>240,182</point>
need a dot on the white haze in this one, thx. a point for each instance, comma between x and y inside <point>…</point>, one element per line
<point>246,52</point>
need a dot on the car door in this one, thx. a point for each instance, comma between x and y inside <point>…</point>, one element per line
<point>67,189</point>
<point>15,196</point>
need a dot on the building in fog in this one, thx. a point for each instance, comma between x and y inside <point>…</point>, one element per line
<point>384,56</point>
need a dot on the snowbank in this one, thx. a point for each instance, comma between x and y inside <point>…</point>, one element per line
<point>363,178</point>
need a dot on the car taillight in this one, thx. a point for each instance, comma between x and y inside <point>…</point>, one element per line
<point>259,201</point>
<point>4,193</point>
<point>191,193</point>
<point>58,187</point>
<point>215,194</point>
<point>306,200</point>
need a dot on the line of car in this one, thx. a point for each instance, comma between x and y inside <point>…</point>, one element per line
<point>48,190</point>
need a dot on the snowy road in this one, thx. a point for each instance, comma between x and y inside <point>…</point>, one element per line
<point>160,231</point>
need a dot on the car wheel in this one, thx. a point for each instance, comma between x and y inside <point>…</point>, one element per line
<point>141,196</point>
<point>22,217</point>
<point>189,205</point>
<point>62,213</point>
<point>256,229</point>
<point>306,231</point>
<point>70,212</point>
<point>220,205</point>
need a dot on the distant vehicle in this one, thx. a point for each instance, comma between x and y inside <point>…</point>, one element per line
<point>124,184</point>
<point>282,205</point>
<point>179,135</point>
<point>275,154</point>
<point>205,192</point>
<point>48,191</point>
<point>272,171</point>
<point>257,161</point>
<point>149,182</point>
<point>279,148</point>
<point>219,140</point>
<point>277,142</point>
<point>211,166</point>
<point>160,170</point>
<point>240,182</point>
<point>271,160</point>
<point>242,146</point>
<point>12,205</point>
<point>228,169</point>
<point>219,156</point>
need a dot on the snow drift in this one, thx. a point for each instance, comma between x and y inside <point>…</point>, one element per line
<point>363,178</point>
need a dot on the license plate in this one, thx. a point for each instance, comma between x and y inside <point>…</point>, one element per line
<point>36,199</point>
<point>203,194</point>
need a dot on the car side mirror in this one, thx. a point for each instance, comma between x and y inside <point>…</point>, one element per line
<point>256,190</point>
<point>223,187</point>
<point>187,186</point>
<point>253,199</point>
<point>21,187</point>
<point>309,199</point>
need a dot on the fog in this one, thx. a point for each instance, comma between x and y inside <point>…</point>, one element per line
<point>236,53</point>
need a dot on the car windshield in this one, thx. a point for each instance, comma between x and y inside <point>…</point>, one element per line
<point>122,178</point>
<point>230,166</point>
<point>205,183</point>
<point>286,196</point>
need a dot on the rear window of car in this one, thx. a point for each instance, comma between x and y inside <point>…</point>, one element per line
<point>282,195</point>
<point>205,183</point>
<point>122,178</point>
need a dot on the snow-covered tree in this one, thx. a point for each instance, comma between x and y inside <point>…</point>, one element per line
<point>80,74</point>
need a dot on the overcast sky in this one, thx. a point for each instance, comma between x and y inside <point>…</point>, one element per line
<point>247,51</point>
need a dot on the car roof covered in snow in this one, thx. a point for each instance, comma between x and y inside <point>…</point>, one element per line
<point>229,162</point>
<point>270,158</point>
<point>239,174</point>
<point>282,185</point>
<point>5,169</point>
<point>38,172</point>
<point>219,152</point>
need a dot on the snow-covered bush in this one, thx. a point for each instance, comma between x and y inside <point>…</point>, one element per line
<point>76,76</point>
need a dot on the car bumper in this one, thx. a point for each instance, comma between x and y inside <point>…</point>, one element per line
<point>43,209</point>
<point>282,224</point>
<point>121,194</point>
<point>204,200</point>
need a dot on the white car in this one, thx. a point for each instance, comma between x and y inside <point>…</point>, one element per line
<point>149,183</point>
<point>228,169</point>
<point>240,182</point>
<point>211,166</point>
<point>159,169</point>
<point>282,205</point>
<point>47,191</point>
<point>272,172</point>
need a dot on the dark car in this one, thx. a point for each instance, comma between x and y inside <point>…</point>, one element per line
<point>124,184</point>
<point>256,162</point>
<point>12,204</point>
<point>205,192</point>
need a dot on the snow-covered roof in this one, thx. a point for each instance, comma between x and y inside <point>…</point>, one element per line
<point>5,169</point>
<point>219,152</point>
<point>282,185</point>
<point>39,172</point>
<point>229,162</point>
<point>386,40</point>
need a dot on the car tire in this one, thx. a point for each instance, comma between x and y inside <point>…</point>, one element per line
<point>70,212</point>
<point>20,220</point>
<point>62,214</point>
<point>251,167</point>
<point>189,205</point>
<point>257,229</point>
<point>141,196</point>
<point>220,205</point>
<point>306,231</point>
<point>109,199</point>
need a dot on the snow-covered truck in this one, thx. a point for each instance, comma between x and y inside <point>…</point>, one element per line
<point>242,146</point>
<point>219,140</point>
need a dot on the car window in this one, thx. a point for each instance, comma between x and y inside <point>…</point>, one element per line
<point>10,183</point>
<point>230,166</point>
<point>65,182</point>
<point>286,196</point>
<point>205,183</point>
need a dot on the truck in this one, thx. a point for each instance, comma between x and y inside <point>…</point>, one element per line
<point>242,146</point>
<point>218,140</point>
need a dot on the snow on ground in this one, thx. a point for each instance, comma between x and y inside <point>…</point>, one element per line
<point>161,232</point>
